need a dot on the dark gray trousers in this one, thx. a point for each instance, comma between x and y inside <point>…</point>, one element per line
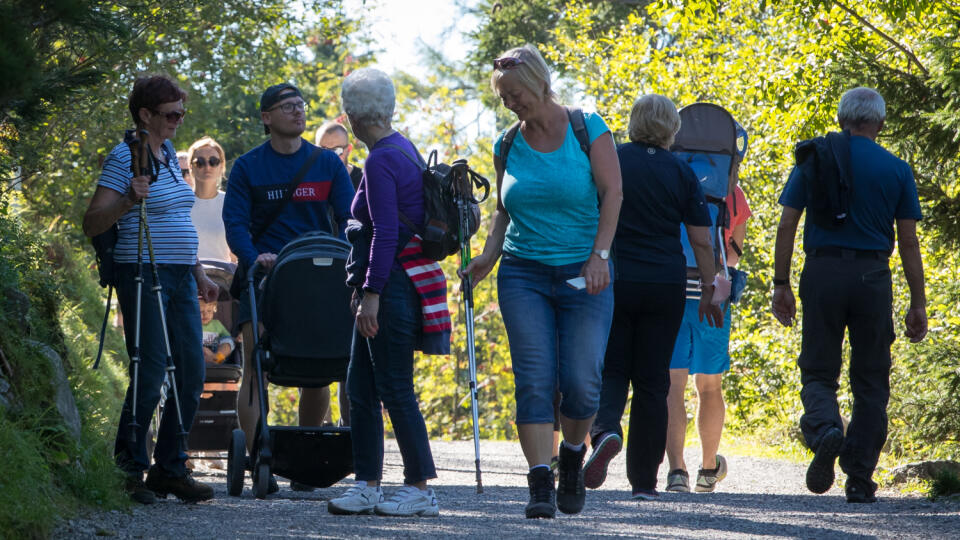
<point>842,293</point>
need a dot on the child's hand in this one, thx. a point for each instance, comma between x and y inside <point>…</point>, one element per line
<point>209,355</point>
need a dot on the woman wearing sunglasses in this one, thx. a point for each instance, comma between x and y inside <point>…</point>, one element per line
<point>207,164</point>
<point>553,234</point>
<point>156,105</point>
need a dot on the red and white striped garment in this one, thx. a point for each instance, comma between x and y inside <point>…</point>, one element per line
<point>431,285</point>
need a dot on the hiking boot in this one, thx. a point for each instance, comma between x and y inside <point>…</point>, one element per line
<point>860,492</point>
<point>297,486</point>
<point>605,448</point>
<point>410,501</point>
<point>570,491</point>
<point>646,495</point>
<point>183,487</point>
<point>543,495</point>
<point>707,479</point>
<point>678,481</point>
<point>820,472</point>
<point>137,490</point>
<point>358,499</point>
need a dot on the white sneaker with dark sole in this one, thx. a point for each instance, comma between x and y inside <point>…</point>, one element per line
<point>358,499</point>
<point>410,501</point>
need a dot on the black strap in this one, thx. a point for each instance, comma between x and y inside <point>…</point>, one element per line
<point>287,195</point>
<point>103,327</point>
<point>736,248</point>
<point>423,166</point>
<point>577,121</point>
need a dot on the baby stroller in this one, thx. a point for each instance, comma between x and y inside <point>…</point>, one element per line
<point>308,329</point>
<point>216,416</point>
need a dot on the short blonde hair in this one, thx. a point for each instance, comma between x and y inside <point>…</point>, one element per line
<point>203,142</point>
<point>653,120</point>
<point>532,72</point>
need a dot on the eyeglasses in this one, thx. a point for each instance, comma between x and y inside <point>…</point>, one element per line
<point>288,108</point>
<point>507,62</point>
<point>338,150</point>
<point>172,116</point>
<point>201,163</point>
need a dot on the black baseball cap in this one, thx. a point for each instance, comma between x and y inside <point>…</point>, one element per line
<point>276,93</point>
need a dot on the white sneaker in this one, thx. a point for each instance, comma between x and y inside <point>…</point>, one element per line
<point>410,501</point>
<point>358,499</point>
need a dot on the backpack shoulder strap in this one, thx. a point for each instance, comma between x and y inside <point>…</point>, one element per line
<point>419,162</point>
<point>507,142</point>
<point>579,124</point>
<point>423,166</point>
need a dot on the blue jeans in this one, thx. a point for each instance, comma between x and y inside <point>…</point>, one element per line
<point>186,346</point>
<point>381,369</point>
<point>557,336</point>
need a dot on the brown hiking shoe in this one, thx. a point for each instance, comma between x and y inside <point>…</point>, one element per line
<point>137,490</point>
<point>184,487</point>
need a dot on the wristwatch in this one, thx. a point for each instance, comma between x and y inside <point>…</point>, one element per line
<point>602,253</point>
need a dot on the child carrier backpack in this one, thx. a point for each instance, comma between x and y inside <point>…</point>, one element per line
<point>440,234</point>
<point>713,144</point>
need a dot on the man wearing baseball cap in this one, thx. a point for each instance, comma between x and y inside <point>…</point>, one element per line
<point>256,231</point>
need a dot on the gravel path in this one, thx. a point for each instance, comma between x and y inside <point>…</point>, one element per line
<point>760,498</point>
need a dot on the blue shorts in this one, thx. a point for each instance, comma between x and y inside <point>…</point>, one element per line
<point>701,348</point>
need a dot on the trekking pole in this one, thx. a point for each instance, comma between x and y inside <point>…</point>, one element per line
<point>141,156</point>
<point>464,198</point>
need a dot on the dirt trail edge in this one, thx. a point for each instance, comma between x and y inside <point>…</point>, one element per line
<point>759,498</point>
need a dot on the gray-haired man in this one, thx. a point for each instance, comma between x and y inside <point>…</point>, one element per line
<point>846,285</point>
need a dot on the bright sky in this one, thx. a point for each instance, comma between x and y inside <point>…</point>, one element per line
<point>399,27</point>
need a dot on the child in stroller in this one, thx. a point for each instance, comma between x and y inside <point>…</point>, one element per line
<point>217,341</point>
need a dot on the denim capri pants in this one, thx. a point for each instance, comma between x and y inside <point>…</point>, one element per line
<point>558,336</point>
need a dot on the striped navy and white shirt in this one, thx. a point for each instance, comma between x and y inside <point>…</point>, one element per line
<point>168,211</point>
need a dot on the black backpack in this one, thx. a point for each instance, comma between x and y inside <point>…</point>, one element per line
<point>441,231</point>
<point>577,121</point>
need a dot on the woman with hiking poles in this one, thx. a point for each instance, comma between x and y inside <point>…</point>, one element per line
<point>555,296</point>
<point>160,308</point>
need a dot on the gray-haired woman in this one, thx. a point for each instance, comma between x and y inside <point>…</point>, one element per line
<point>389,321</point>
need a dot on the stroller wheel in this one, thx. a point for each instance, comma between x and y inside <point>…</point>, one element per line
<point>236,462</point>
<point>261,481</point>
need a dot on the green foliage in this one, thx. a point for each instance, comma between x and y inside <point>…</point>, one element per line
<point>945,484</point>
<point>50,474</point>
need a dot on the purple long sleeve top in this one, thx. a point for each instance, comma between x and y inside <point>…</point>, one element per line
<point>391,184</point>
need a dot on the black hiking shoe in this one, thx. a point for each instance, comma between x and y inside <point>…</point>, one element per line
<point>296,486</point>
<point>820,472</point>
<point>184,487</point>
<point>570,491</point>
<point>543,496</point>
<point>859,491</point>
<point>137,490</point>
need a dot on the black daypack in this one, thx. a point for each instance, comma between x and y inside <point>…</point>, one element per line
<point>577,121</point>
<point>440,235</point>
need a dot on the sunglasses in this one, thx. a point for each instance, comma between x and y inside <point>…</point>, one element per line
<point>201,163</point>
<point>338,150</point>
<point>288,108</point>
<point>507,62</point>
<point>172,116</point>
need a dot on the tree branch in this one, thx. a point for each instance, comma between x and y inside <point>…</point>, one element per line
<point>910,56</point>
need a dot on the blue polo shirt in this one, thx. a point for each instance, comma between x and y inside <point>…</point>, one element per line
<point>883,191</point>
<point>660,192</point>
